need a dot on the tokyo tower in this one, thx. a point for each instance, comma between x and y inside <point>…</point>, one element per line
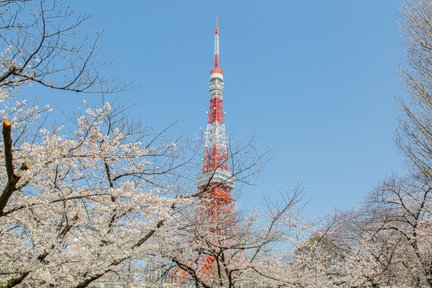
<point>214,213</point>
<point>216,181</point>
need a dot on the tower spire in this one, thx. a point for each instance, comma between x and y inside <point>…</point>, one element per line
<point>216,47</point>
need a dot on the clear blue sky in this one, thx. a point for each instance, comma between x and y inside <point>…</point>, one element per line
<point>315,81</point>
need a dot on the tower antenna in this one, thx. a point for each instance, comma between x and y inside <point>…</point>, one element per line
<point>216,46</point>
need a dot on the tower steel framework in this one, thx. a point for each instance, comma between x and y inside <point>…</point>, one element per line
<point>216,181</point>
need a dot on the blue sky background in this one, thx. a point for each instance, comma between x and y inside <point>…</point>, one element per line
<point>314,81</point>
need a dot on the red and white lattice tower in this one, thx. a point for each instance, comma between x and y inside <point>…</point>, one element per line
<point>216,181</point>
<point>215,211</point>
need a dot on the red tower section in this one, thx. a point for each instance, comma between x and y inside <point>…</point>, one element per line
<point>215,211</point>
<point>216,181</point>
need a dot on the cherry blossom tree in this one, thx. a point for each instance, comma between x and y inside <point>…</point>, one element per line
<point>414,136</point>
<point>238,253</point>
<point>85,206</point>
<point>384,243</point>
<point>74,208</point>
